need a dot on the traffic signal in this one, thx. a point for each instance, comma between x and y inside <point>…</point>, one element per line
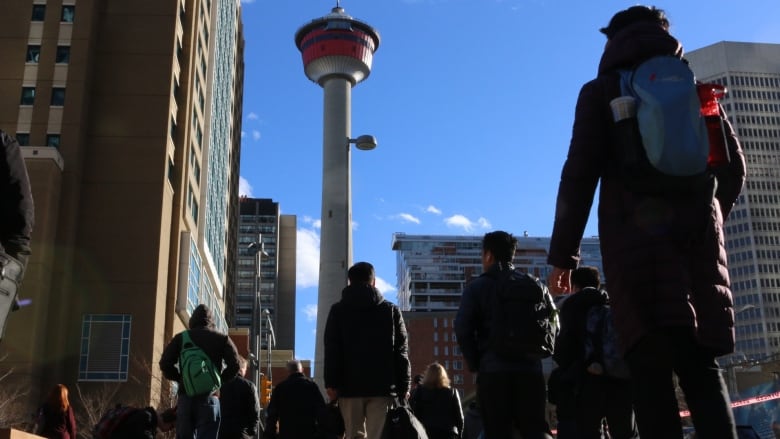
<point>265,391</point>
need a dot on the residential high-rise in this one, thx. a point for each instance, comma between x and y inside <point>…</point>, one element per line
<point>751,73</point>
<point>274,281</point>
<point>432,270</point>
<point>129,113</point>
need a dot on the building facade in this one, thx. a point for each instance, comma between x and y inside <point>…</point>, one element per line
<point>129,117</point>
<point>266,278</point>
<point>432,270</point>
<point>751,73</point>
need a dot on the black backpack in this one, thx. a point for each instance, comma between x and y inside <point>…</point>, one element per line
<point>602,353</point>
<point>523,318</point>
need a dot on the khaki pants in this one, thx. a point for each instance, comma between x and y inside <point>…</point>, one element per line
<point>364,417</point>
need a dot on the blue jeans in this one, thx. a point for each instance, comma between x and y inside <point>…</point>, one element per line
<point>652,362</point>
<point>197,417</point>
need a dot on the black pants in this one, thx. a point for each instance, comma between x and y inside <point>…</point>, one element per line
<point>513,400</point>
<point>653,361</point>
<point>604,397</point>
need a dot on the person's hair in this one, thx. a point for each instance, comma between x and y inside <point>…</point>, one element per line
<point>633,15</point>
<point>501,244</point>
<point>436,376</point>
<point>294,366</point>
<point>58,398</point>
<point>169,415</point>
<point>361,273</point>
<point>583,277</point>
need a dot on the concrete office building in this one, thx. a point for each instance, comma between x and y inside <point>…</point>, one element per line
<point>129,113</point>
<point>751,72</point>
<point>432,270</point>
<point>273,280</point>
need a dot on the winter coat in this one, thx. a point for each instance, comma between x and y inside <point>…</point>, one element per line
<point>142,424</point>
<point>240,409</point>
<point>664,257</point>
<point>439,410</point>
<point>56,424</point>
<point>16,202</point>
<point>570,343</point>
<point>472,327</point>
<point>296,403</point>
<point>366,346</point>
<point>217,346</point>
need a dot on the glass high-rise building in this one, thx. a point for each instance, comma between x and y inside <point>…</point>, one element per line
<point>129,114</point>
<point>432,270</point>
<point>751,72</point>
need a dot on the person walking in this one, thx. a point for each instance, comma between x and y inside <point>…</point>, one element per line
<point>55,419</point>
<point>239,406</point>
<point>589,398</point>
<point>143,423</point>
<point>512,393</point>
<point>200,415</point>
<point>437,405</point>
<point>296,405</point>
<point>663,254</point>
<point>366,360</point>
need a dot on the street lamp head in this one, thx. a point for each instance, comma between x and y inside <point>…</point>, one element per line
<point>258,247</point>
<point>365,142</point>
<point>266,312</point>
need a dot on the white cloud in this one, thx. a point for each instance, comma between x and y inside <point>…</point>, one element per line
<point>252,115</point>
<point>244,188</point>
<point>307,258</point>
<point>433,209</point>
<point>310,311</point>
<point>255,135</point>
<point>462,222</point>
<point>408,218</point>
<point>383,286</point>
<point>314,222</point>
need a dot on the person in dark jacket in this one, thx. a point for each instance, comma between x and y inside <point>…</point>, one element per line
<point>296,404</point>
<point>512,393</point>
<point>16,222</point>
<point>664,257</point>
<point>143,423</point>
<point>437,405</point>
<point>200,414</point>
<point>55,419</point>
<point>239,406</point>
<point>366,354</point>
<point>587,398</point>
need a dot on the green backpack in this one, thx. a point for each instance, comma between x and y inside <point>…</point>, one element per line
<point>198,374</point>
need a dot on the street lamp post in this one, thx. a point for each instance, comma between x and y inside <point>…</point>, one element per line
<point>256,327</point>
<point>270,341</point>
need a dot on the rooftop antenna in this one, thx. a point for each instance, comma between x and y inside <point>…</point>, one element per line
<point>337,3</point>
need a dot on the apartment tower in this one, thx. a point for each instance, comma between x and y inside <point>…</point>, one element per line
<point>129,117</point>
<point>751,73</point>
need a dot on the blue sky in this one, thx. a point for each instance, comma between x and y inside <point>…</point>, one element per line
<point>471,102</point>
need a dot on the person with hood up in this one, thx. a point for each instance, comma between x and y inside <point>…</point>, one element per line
<point>366,354</point>
<point>200,414</point>
<point>664,257</point>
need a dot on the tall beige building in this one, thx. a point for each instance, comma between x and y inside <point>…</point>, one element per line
<point>129,113</point>
<point>751,72</point>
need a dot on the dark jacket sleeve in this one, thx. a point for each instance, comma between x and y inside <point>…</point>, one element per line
<point>253,409</point>
<point>169,359</point>
<point>230,356</point>
<point>580,176</point>
<point>732,177</point>
<point>272,413</point>
<point>16,202</point>
<point>568,344</point>
<point>467,323</point>
<point>333,368</point>
<point>403,369</point>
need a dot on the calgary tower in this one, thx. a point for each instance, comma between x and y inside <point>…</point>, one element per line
<point>337,53</point>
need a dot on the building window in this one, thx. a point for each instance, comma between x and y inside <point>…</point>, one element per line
<point>68,13</point>
<point>105,347</point>
<point>33,53</point>
<point>28,96</point>
<point>38,12</point>
<point>58,96</point>
<point>193,287</point>
<point>23,139</point>
<point>53,140</point>
<point>63,55</point>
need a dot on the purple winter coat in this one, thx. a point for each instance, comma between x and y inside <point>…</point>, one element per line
<point>664,259</point>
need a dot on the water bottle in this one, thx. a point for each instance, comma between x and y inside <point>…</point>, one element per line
<point>716,132</point>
